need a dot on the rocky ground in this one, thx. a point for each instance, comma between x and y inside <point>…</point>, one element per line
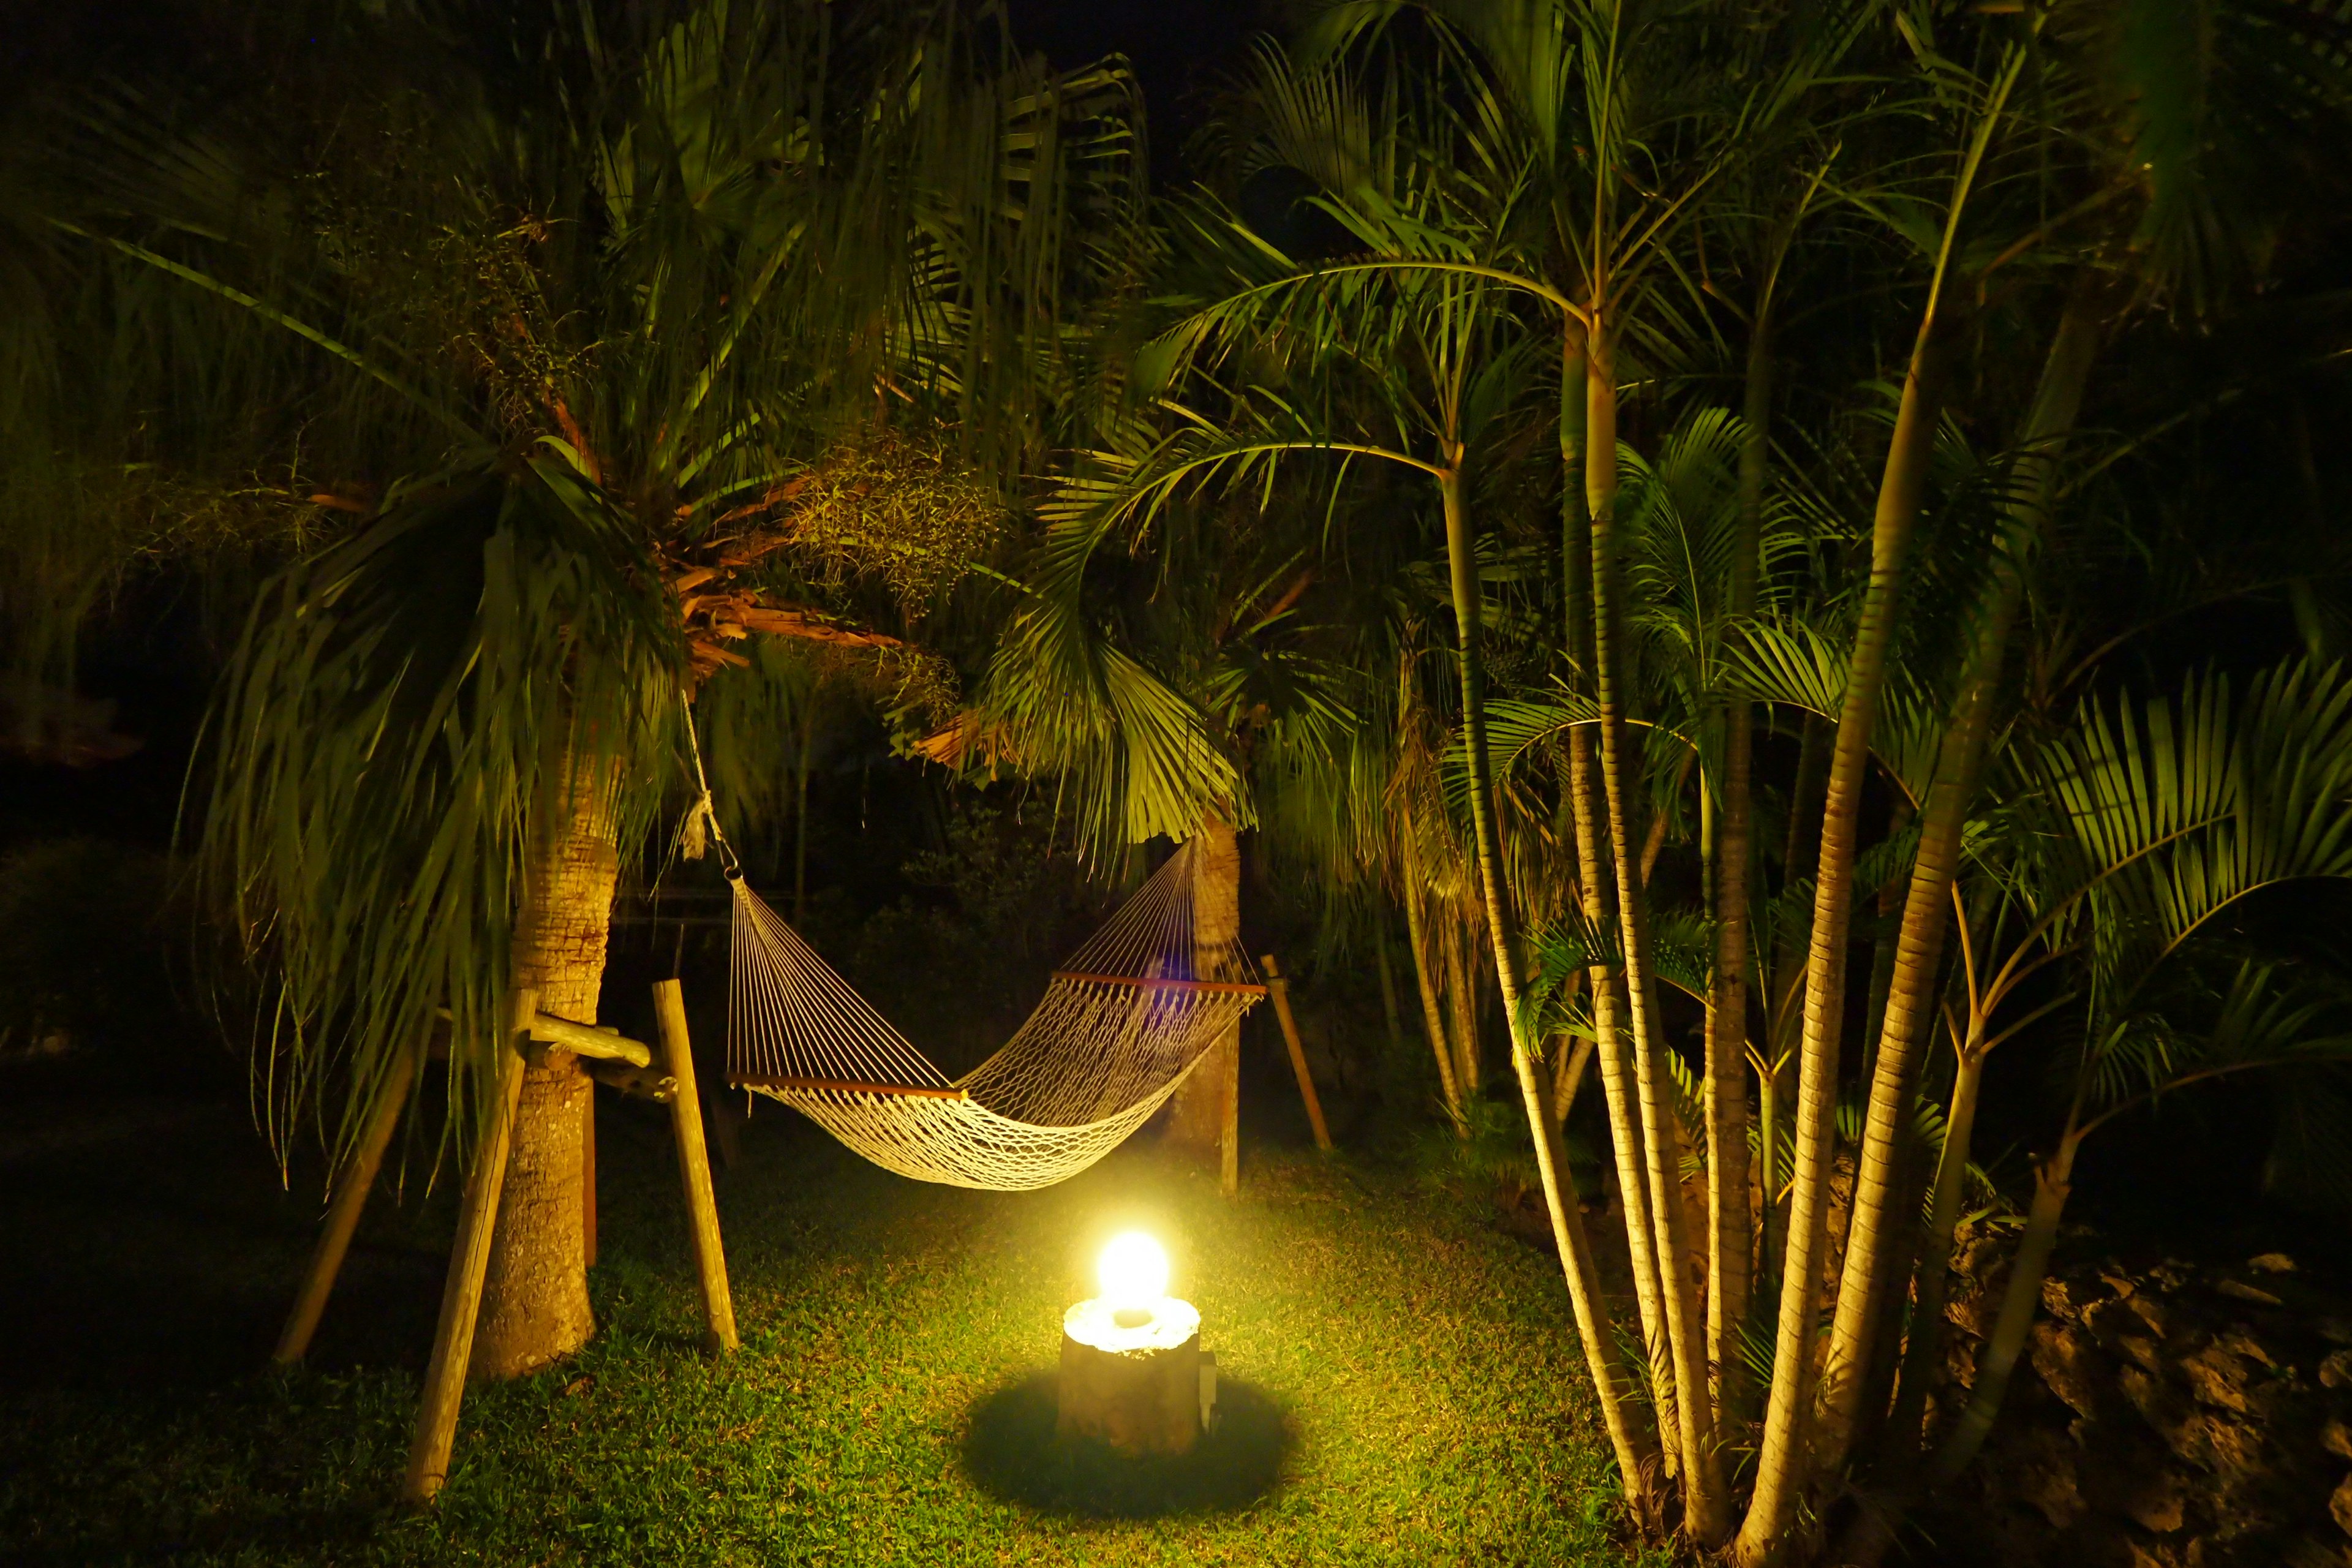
<point>2173,1417</point>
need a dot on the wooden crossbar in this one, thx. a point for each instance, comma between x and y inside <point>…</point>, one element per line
<point>1233,986</point>
<point>846,1086</point>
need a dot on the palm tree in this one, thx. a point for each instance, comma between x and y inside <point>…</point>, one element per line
<point>2131,233</point>
<point>646,295</point>
<point>2123,840</point>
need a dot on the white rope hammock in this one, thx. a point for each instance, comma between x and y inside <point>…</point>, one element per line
<point>1122,1022</point>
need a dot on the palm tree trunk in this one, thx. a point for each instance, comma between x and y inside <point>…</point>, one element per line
<point>1781,1464</point>
<point>535,1296</point>
<point>1879,1225</point>
<point>1705,1510</point>
<point>2051,1184</point>
<point>1462,989</point>
<point>1770,1235</point>
<point>1729,1226</point>
<point>1594,882</point>
<point>1433,1013</point>
<point>1926,1344</point>
<point>1626,1137</point>
<point>1609,1381</point>
<point>1203,1115</point>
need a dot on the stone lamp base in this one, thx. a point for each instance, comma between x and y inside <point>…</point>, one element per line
<point>1135,1378</point>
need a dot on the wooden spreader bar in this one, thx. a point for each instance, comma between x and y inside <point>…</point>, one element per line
<point>846,1086</point>
<point>1233,986</point>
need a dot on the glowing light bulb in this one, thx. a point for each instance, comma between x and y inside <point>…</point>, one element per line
<point>1133,1270</point>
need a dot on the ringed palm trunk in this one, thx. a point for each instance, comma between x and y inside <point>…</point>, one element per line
<point>1728,1224</point>
<point>2053,1182</point>
<point>535,1294</point>
<point>1610,1379</point>
<point>1433,1011</point>
<point>1705,1509</point>
<point>1873,1535</point>
<point>1202,1111</point>
<point>1593,882</point>
<point>1880,1224</point>
<point>1625,1138</point>
<point>1781,1470</point>
<point>1926,1344</point>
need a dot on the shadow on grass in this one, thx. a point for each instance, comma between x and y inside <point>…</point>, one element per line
<point>1011,1452</point>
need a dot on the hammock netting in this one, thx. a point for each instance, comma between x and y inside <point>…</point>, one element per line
<point>1123,1021</point>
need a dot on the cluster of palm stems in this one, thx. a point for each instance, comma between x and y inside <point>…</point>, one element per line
<point>1524,224</point>
<point>1607,506</point>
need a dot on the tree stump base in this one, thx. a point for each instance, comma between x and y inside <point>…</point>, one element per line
<point>1132,1377</point>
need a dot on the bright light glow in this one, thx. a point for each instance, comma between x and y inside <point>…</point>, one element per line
<point>1132,1269</point>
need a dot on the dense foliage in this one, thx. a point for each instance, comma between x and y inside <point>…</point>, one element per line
<point>1751,557</point>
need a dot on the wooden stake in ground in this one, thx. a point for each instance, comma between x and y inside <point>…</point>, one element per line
<point>351,1186</point>
<point>694,1165</point>
<point>1279,989</point>
<point>469,1259</point>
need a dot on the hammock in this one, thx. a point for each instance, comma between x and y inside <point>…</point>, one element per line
<point>1128,1016</point>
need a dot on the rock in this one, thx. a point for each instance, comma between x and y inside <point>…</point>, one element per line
<point>2071,1366</point>
<point>2153,1554</point>
<point>2157,1404</point>
<point>2272,1263</point>
<point>2160,1502</point>
<point>2336,1371</point>
<point>2217,1377</point>
<point>2334,1330</point>
<point>2231,1450</point>
<point>2046,1478</point>
<point>2340,1505</point>
<point>2241,1342</point>
<point>2337,1438</point>
<point>2303,1551</point>
<point>2066,1299</point>
<point>2160,1317</point>
<point>2112,1317</point>
<point>2245,1292</point>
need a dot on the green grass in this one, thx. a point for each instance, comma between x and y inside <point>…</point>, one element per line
<point>1403,1382</point>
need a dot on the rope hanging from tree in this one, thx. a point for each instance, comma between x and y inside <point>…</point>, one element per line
<point>1122,1022</point>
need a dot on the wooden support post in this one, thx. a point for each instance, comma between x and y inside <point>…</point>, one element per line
<point>351,1186</point>
<point>1279,989</point>
<point>694,1165</point>
<point>469,1260</point>
<point>1228,1062</point>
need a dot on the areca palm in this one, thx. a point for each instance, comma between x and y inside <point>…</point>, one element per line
<point>635,307</point>
<point>2129,235</point>
<point>2121,842</point>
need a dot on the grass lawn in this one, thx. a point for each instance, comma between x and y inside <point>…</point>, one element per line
<point>1401,1382</point>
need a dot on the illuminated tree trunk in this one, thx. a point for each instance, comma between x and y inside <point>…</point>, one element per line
<point>535,1297</point>
<point>1881,1221</point>
<point>1706,1508</point>
<point>1594,883</point>
<point>1781,1469</point>
<point>1205,1115</point>
<point>1611,1383</point>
